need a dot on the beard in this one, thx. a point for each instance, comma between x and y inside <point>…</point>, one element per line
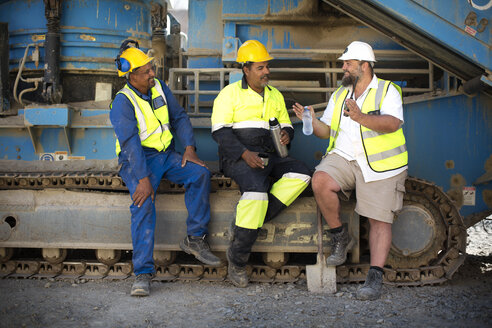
<point>348,80</point>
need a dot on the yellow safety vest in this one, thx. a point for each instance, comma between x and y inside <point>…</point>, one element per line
<point>238,106</point>
<point>153,124</point>
<point>384,151</point>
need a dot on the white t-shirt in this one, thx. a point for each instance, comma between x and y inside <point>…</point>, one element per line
<point>349,142</point>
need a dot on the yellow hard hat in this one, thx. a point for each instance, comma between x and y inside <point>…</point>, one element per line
<point>130,59</point>
<point>252,51</point>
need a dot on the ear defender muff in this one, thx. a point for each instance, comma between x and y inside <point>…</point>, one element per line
<point>122,64</point>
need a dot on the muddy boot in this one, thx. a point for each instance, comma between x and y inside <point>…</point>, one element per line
<point>141,286</point>
<point>371,290</point>
<point>237,275</point>
<point>341,242</point>
<point>238,255</point>
<point>198,247</point>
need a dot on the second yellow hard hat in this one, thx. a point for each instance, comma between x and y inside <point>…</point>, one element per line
<point>252,51</point>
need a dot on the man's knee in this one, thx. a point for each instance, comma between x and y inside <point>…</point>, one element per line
<point>323,182</point>
<point>379,226</point>
<point>147,208</point>
<point>200,174</point>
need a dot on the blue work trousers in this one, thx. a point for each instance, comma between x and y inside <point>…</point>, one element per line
<point>196,181</point>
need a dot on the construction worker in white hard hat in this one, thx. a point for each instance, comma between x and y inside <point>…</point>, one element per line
<point>142,114</point>
<point>241,126</point>
<point>366,153</point>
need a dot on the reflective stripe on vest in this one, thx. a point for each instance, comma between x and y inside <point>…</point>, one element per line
<point>153,124</point>
<point>242,108</point>
<point>384,151</point>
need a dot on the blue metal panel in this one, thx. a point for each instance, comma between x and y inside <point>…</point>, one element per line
<point>94,143</point>
<point>47,116</point>
<point>456,12</point>
<point>253,10</point>
<point>245,9</point>
<point>91,31</point>
<point>15,144</point>
<point>432,21</point>
<point>205,30</point>
<point>457,129</point>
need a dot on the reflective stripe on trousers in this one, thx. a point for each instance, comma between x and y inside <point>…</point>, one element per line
<point>253,206</point>
<point>251,210</point>
<point>289,187</point>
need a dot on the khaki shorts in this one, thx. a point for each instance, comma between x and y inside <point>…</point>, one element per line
<point>379,200</point>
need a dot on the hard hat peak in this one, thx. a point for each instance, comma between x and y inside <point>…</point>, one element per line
<point>358,50</point>
<point>252,51</point>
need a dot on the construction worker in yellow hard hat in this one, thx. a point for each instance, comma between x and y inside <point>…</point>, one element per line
<point>250,52</point>
<point>241,118</point>
<point>130,58</point>
<point>143,114</point>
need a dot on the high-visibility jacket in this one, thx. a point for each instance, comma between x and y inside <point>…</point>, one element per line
<point>240,119</point>
<point>384,151</point>
<point>152,121</point>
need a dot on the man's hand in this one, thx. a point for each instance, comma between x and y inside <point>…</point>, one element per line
<point>299,109</point>
<point>378,123</point>
<point>354,110</point>
<point>144,189</point>
<point>252,159</point>
<point>284,137</point>
<point>190,155</point>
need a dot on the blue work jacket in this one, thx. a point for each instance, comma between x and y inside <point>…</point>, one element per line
<point>122,116</point>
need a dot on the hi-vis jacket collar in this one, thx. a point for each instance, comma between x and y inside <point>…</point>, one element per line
<point>146,97</point>
<point>244,83</point>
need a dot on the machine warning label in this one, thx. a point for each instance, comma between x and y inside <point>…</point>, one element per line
<point>469,196</point>
<point>470,30</point>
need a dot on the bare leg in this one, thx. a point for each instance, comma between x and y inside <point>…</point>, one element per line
<point>379,242</point>
<point>325,192</point>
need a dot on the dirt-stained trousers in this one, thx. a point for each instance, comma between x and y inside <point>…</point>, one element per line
<point>196,181</point>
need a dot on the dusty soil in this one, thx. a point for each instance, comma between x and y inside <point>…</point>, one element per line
<point>465,301</point>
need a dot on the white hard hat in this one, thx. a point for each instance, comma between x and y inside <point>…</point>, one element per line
<point>359,51</point>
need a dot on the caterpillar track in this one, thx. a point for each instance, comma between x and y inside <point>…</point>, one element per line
<point>432,263</point>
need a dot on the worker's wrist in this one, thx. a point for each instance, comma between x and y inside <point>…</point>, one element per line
<point>361,118</point>
<point>143,179</point>
<point>193,148</point>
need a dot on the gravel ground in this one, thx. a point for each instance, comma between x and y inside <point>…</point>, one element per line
<point>465,301</point>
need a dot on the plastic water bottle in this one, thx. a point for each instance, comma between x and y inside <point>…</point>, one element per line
<point>307,122</point>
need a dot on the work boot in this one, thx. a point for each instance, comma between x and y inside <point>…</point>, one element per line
<point>238,254</point>
<point>237,275</point>
<point>371,290</point>
<point>198,247</point>
<point>141,286</point>
<point>341,242</point>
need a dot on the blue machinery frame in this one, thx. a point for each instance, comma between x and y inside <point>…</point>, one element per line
<point>449,134</point>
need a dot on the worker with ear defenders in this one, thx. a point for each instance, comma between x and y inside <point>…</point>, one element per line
<point>144,113</point>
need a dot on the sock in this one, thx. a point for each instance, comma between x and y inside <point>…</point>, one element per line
<point>376,268</point>
<point>336,230</point>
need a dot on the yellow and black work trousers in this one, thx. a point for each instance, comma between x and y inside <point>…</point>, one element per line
<point>259,202</point>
